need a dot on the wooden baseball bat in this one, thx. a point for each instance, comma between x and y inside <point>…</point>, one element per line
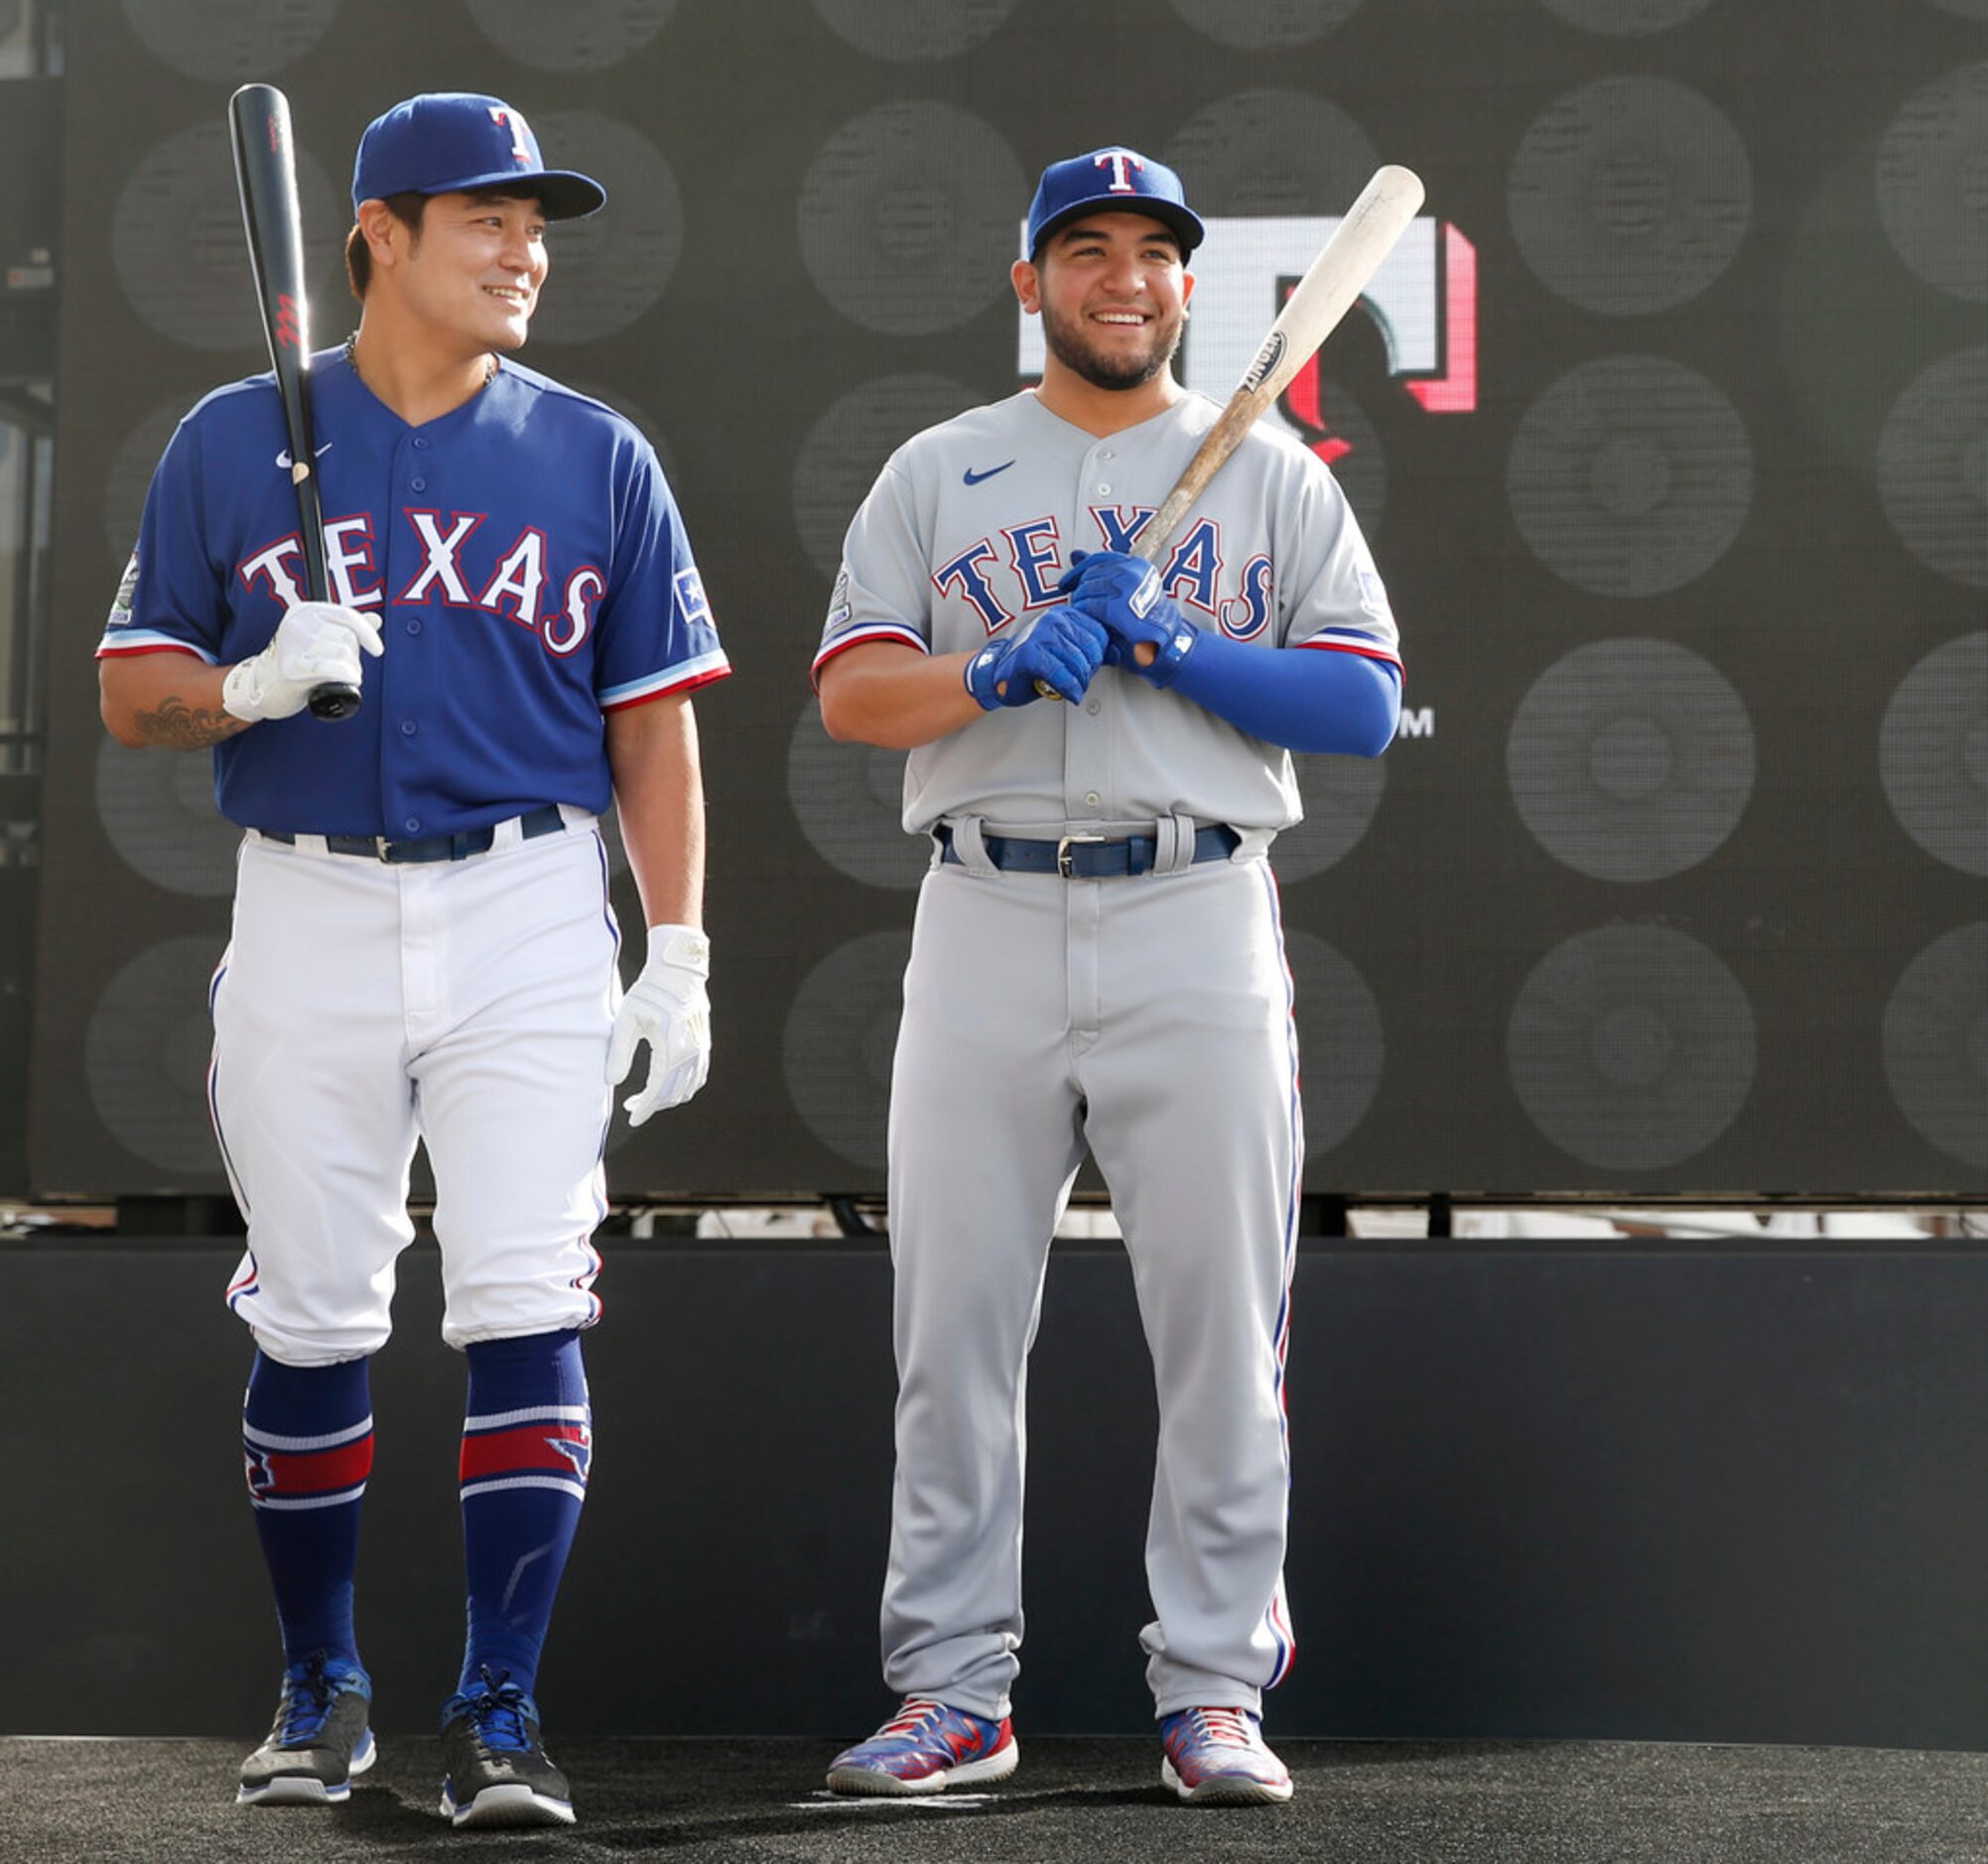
<point>1331,284</point>
<point>265,170</point>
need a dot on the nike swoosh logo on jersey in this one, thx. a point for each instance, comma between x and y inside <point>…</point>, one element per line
<point>283,458</point>
<point>972,477</point>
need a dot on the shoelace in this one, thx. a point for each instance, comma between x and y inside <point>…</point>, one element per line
<point>497,1713</point>
<point>912,1718</point>
<point>309,1701</point>
<point>1226,1726</point>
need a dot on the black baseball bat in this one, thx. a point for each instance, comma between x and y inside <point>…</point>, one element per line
<point>265,171</point>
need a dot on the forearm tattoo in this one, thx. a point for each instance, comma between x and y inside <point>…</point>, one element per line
<point>176,725</point>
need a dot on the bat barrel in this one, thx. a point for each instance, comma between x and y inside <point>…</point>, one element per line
<point>265,163</point>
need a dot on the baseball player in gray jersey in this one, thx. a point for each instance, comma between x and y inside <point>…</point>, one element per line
<point>1097,960</point>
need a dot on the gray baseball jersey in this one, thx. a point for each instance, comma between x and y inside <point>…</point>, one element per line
<point>1146,1017</point>
<point>973,521</point>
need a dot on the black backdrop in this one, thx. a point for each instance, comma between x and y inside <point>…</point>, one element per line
<point>1678,883</point>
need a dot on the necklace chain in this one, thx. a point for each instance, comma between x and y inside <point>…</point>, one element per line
<point>352,359</point>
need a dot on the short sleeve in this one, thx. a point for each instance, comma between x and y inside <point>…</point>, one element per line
<point>657,634</point>
<point>1331,593</point>
<point>882,591</point>
<point>172,597</point>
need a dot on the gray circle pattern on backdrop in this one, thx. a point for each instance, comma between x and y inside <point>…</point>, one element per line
<point>1631,476</point>
<point>1932,753</point>
<point>160,816</point>
<point>588,36</point>
<point>1936,1042</point>
<point>850,802</point>
<point>608,270</point>
<point>1632,1048</point>
<point>181,257</point>
<point>1932,183</point>
<point>1630,194</point>
<point>1342,1047</point>
<point>238,41</point>
<point>1933,468</point>
<point>130,477</point>
<point>1271,153</point>
<point>908,218</point>
<point>1341,797</point>
<point>839,1039</point>
<point>1626,18</point>
<point>145,1057</point>
<point>1630,759</point>
<point>839,459</point>
<point>1264,25</point>
<point>914,32</point>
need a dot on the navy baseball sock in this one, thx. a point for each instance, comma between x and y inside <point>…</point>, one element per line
<point>526,1444</point>
<point>307,1436</point>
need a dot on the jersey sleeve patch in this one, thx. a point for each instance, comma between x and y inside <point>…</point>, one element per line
<point>120,615</point>
<point>693,608</point>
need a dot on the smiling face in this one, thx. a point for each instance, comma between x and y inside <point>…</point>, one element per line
<point>1113,292</point>
<point>471,274</point>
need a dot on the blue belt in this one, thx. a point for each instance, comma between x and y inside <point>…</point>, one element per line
<point>545,821</point>
<point>1087,856</point>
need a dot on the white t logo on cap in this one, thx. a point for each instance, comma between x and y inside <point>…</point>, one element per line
<point>516,124</point>
<point>1118,158</point>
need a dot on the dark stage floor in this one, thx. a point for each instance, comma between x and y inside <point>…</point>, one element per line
<point>1095,1801</point>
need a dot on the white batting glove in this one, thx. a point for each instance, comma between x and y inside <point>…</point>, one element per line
<point>668,1010</point>
<point>316,641</point>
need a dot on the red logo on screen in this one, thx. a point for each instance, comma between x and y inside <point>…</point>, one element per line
<point>1422,300</point>
<point>1446,383</point>
<point>289,321</point>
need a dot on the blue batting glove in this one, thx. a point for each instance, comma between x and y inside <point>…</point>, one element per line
<point>1123,593</point>
<point>1062,650</point>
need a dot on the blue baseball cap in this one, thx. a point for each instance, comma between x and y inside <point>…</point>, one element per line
<point>447,142</point>
<point>1112,181</point>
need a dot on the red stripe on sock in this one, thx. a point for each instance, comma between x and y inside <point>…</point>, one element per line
<point>499,1452</point>
<point>310,1472</point>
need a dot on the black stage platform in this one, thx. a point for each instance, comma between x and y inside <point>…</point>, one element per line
<point>1365,1802</point>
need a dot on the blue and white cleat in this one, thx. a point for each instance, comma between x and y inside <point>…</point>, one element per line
<point>496,1770</point>
<point>927,1747</point>
<point>320,1739</point>
<point>1217,1757</point>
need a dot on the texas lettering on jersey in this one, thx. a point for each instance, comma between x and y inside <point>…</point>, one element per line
<point>1013,571</point>
<point>515,581</point>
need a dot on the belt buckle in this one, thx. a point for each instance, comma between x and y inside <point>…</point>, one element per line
<point>1063,844</point>
<point>382,848</point>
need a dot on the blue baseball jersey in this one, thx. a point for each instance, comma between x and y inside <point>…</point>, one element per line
<point>523,556</point>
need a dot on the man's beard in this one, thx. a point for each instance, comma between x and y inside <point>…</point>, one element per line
<point>1065,341</point>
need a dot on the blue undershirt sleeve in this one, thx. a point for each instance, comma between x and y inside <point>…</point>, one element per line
<point>1302,698</point>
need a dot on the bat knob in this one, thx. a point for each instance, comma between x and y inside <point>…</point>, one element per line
<point>334,701</point>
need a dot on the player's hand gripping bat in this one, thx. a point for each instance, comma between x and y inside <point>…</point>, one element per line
<point>1331,284</point>
<point>265,168</point>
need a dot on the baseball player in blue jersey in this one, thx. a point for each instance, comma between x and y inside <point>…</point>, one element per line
<point>1097,960</point>
<point>423,947</point>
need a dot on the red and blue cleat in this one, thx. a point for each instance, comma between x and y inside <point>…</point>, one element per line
<point>1217,1757</point>
<point>925,1748</point>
